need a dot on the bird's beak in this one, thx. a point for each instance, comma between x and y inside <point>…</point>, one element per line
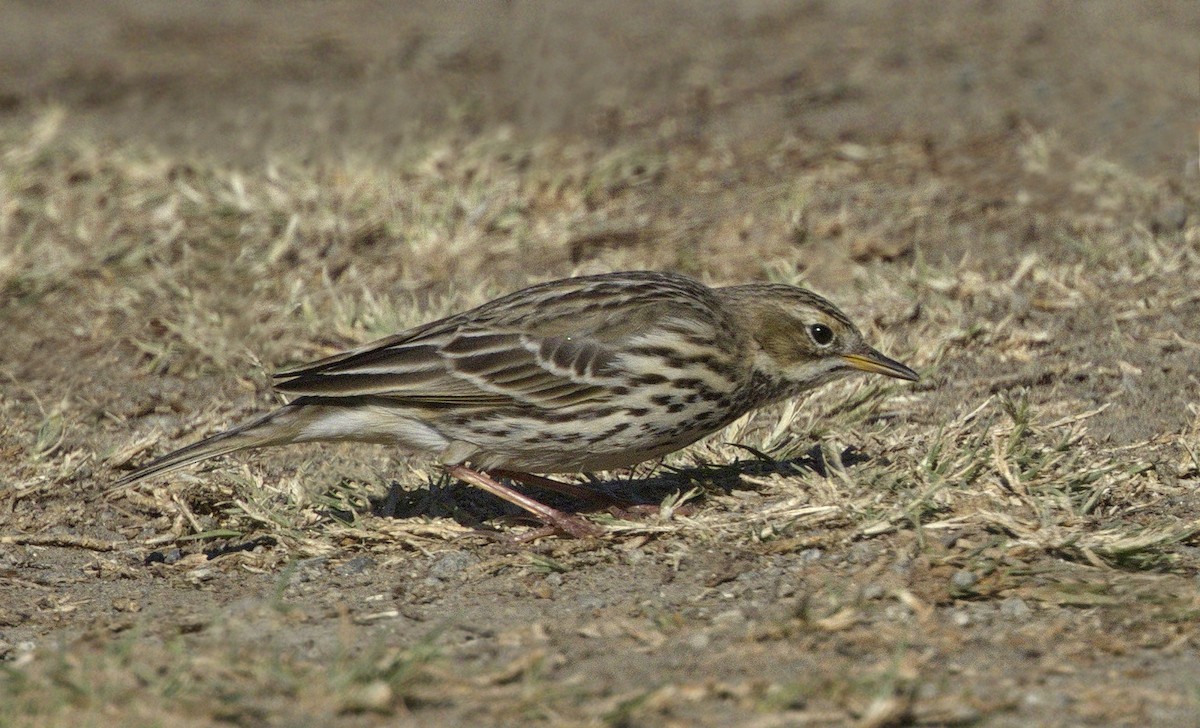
<point>876,363</point>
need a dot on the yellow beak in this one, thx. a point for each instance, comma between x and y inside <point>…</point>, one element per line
<point>874,362</point>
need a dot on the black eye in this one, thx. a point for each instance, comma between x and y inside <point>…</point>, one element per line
<point>821,334</point>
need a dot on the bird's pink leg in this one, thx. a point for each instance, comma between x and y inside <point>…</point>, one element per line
<point>570,490</point>
<point>619,507</point>
<point>571,525</point>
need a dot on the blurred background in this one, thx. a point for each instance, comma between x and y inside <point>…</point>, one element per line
<point>239,80</point>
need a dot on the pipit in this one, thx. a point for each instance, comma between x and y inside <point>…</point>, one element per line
<point>575,375</point>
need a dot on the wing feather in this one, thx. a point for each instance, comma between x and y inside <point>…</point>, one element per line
<point>550,346</point>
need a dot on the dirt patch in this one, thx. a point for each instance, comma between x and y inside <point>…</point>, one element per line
<point>1003,196</point>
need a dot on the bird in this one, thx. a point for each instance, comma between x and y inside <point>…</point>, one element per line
<point>577,375</point>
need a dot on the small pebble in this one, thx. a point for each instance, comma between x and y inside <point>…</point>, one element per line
<point>729,618</point>
<point>309,569</point>
<point>872,591</point>
<point>356,565</point>
<point>862,553</point>
<point>964,580</point>
<point>197,576</point>
<point>1015,608</point>
<point>452,563</point>
<point>375,696</point>
<point>590,603</point>
<point>169,556</point>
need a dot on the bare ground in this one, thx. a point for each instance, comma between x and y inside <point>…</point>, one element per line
<point>1004,194</point>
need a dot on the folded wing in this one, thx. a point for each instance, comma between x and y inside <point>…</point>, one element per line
<point>564,352</point>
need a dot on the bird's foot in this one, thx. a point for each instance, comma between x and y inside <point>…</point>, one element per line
<point>565,523</point>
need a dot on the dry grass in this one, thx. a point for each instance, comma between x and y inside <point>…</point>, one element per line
<point>145,299</point>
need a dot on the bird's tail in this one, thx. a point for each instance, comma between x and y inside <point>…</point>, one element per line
<point>280,427</point>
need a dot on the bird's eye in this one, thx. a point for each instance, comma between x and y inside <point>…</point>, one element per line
<point>821,334</point>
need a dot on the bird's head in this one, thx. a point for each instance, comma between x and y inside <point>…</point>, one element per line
<point>802,339</point>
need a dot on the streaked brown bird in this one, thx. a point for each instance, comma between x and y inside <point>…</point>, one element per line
<point>575,375</point>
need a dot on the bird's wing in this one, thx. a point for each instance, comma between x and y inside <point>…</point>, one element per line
<point>558,346</point>
<point>467,367</point>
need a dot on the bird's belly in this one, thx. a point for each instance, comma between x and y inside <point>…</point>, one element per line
<point>605,443</point>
